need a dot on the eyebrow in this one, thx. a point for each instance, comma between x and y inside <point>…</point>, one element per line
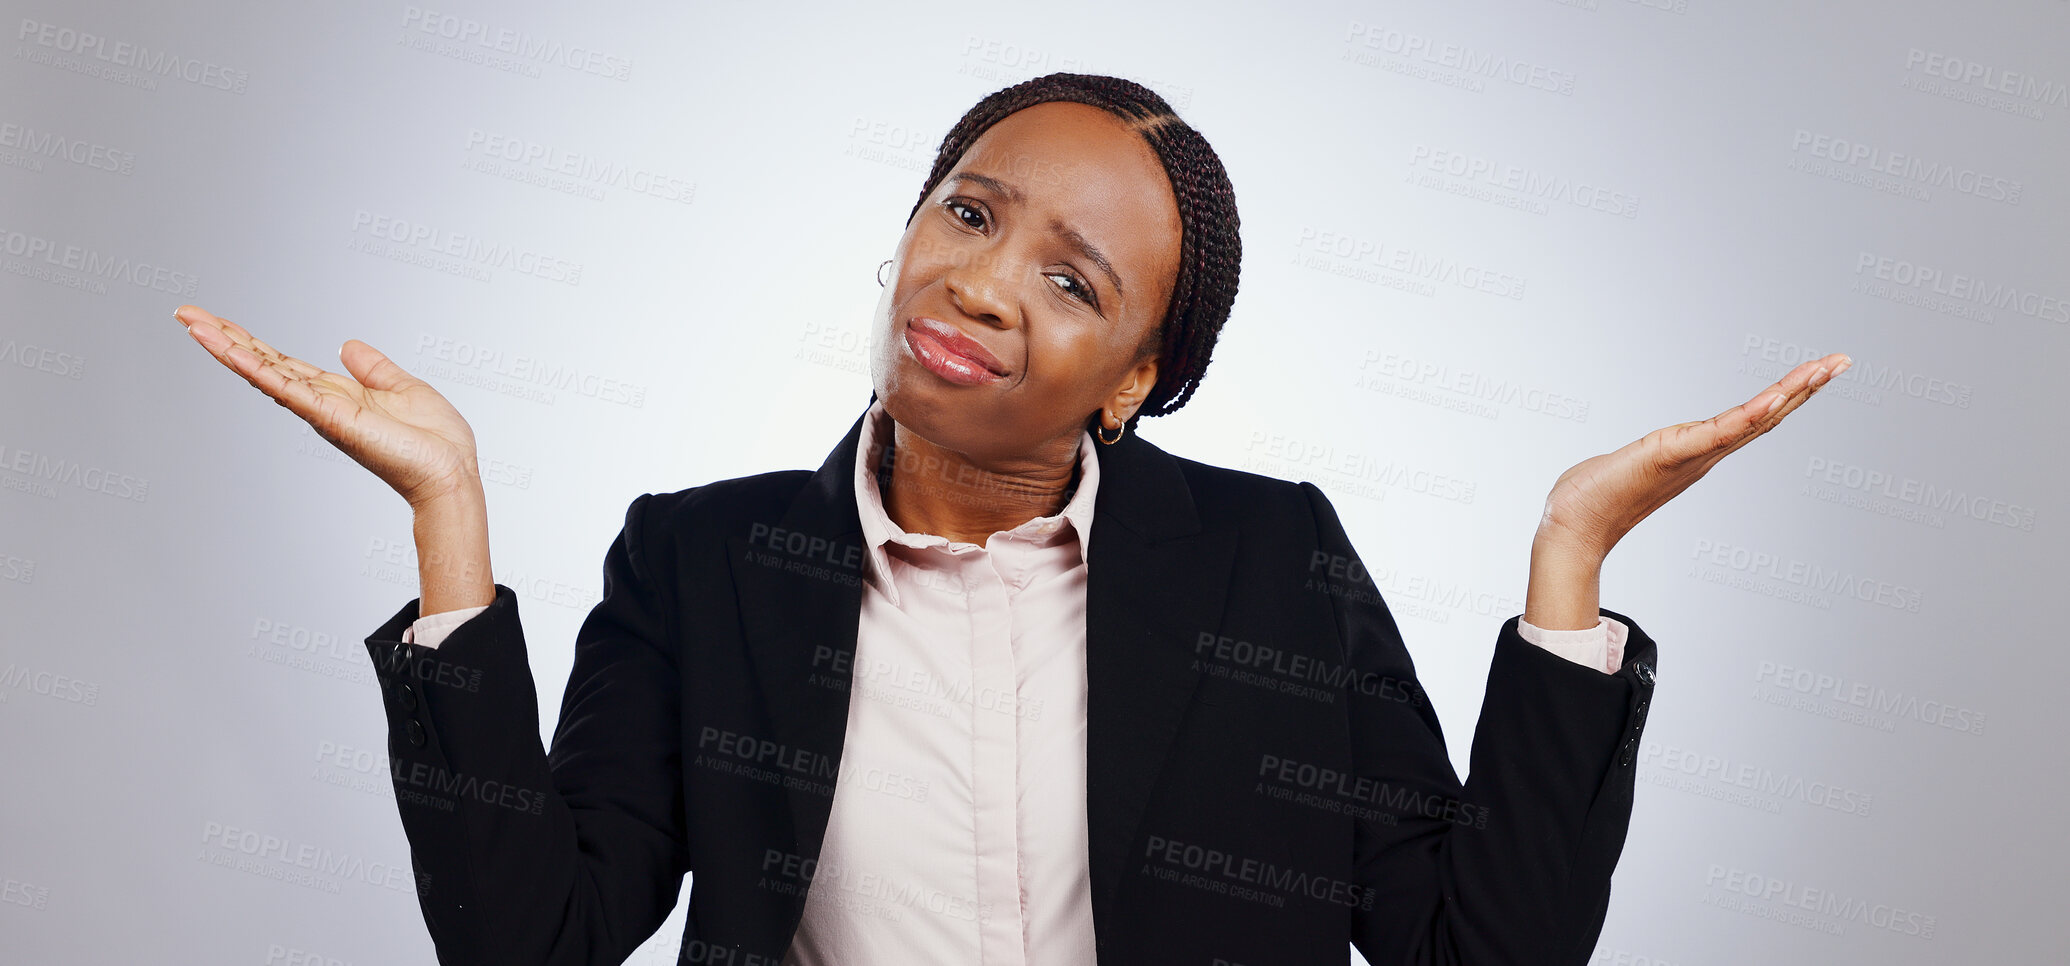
<point>1068,234</point>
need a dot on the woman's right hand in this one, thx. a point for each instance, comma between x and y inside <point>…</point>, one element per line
<point>387,420</point>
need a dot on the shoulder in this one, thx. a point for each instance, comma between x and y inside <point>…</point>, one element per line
<point>709,512</point>
<point>725,503</point>
<point>1250,499</point>
<point>758,494</point>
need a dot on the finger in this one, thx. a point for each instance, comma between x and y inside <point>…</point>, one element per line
<point>193,314</point>
<point>239,336</point>
<point>206,330</point>
<point>333,384</point>
<point>208,334</point>
<point>1710,440</point>
<point>302,369</point>
<point>1742,424</point>
<point>265,351</point>
<point>290,364</point>
<point>296,393</point>
<point>1799,385</point>
<point>261,365</point>
<point>233,330</point>
<point>214,340</point>
<point>189,314</point>
<point>1770,405</point>
<point>374,370</point>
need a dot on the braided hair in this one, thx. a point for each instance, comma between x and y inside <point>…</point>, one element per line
<point>1210,253</point>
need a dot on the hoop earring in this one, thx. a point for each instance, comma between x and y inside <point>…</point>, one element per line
<point>1100,433</point>
<point>880,273</point>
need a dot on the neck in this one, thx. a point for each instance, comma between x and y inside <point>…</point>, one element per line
<point>929,489</point>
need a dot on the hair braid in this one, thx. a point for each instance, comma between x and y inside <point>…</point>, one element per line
<point>1210,250</point>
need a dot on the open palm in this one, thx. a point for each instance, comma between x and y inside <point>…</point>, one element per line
<point>1602,498</point>
<point>387,420</point>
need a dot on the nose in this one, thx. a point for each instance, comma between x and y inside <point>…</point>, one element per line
<point>983,285</point>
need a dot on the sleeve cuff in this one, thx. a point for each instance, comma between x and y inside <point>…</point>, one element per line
<point>1600,647</point>
<point>429,630</point>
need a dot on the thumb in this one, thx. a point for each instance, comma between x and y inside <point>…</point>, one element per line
<point>372,369</point>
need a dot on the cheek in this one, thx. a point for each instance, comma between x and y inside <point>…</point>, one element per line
<point>1072,359</point>
<point>932,249</point>
<point>882,321</point>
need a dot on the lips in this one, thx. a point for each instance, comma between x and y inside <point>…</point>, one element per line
<point>953,342</point>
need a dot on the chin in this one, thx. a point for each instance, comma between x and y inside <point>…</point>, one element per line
<point>944,419</point>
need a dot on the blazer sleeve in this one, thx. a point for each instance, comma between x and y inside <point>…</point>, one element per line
<point>1514,865</point>
<point>524,855</point>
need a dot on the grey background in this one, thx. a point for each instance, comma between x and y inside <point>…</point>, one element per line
<point>1855,753</point>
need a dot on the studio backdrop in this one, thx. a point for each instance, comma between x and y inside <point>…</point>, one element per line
<point>635,244</point>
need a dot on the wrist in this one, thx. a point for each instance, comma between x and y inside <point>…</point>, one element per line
<point>458,495</point>
<point>1568,547</point>
<point>1565,585</point>
<point>452,540</point>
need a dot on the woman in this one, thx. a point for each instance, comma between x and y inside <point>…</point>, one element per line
<point>1198,738</point>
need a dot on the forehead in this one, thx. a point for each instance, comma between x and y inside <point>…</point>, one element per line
<point>1086,168</point>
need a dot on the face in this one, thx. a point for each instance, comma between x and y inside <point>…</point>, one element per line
<point>1026,285</point>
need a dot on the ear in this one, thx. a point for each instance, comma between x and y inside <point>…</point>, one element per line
<point>1135,387</point>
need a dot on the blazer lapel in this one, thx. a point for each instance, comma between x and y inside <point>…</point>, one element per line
<point>1156,579</point>
<point>799,584</point>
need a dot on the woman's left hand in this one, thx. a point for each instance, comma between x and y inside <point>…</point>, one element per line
<point>1594,504</point>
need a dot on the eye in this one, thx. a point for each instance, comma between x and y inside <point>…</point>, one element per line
<point>1079,289</point>
<point>955,203</point>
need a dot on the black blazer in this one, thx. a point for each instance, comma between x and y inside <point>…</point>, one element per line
<point>1265,778</point>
